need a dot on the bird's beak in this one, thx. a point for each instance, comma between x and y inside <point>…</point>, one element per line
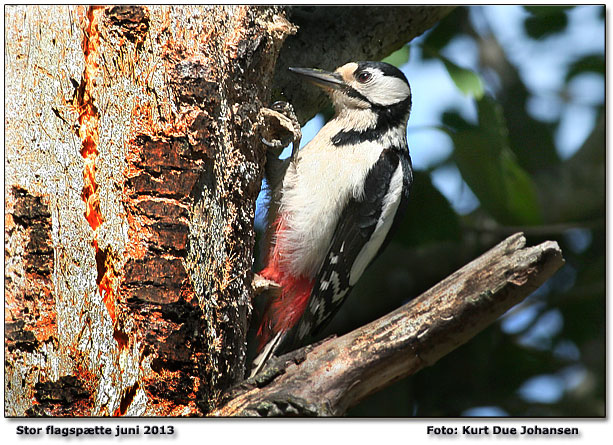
<point>321,78</point>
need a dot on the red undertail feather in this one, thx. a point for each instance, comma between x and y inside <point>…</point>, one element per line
<point>285,308</point>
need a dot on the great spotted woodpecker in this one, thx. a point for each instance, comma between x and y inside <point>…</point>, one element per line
<point>335,202</point>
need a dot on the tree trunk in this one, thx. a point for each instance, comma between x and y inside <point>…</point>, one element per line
<point>133,166</point>
<point>133,163</point>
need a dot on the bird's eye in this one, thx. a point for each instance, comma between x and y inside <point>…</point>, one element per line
<point>364,77</point>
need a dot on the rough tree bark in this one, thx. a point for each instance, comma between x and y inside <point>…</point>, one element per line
<point>135,132</point>
<point>133,163</point>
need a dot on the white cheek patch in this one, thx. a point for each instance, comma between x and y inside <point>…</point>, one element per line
<point>386,90</point>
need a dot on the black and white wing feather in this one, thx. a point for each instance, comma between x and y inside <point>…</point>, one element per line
<point>362,232</point>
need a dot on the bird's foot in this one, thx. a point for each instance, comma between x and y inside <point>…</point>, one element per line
<point>261,284</point>
<point>281,127</point>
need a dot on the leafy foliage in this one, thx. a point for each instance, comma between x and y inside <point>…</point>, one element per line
<point>510,158</point>
<point>588,63</point>
<point>467,81</point>
<point>430,217</point>
<point>489,167</point>
<point>399,57</point>
<point>545,20</point>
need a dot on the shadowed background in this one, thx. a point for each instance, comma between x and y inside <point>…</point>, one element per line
<point>506,134</point>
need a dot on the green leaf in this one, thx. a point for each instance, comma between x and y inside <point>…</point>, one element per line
<point>545,21</point>
<point>490,169</point>
<point>477,156</point>
<point>593,63</point>
<point>548,9</point>
<point>444,31</point>
<point>522,199</point>
<point>468,82</point>
<point>491,120</point>
<point>453,119</point>
<point>399,57</point>
<point>430,217</point>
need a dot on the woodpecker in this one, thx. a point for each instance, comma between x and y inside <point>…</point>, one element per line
<point>335,202</point>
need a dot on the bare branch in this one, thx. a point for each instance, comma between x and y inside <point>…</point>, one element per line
<point>328,378</point>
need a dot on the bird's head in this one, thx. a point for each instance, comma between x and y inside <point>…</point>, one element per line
<point>363,85</point>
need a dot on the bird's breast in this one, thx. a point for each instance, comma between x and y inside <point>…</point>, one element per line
<point>315,190</point>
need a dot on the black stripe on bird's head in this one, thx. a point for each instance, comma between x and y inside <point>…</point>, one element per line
<point>375,85</point>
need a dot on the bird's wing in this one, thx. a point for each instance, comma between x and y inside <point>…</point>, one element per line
<point>362,231</point>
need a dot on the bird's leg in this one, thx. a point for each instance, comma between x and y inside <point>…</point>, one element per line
<point>281,127</point>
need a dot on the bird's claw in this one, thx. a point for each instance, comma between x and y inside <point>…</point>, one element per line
<point>261,284</point>
<point>281,127</point>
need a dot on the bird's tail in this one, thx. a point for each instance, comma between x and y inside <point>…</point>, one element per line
<point>282,313</point>
<point>284,307</point>
<point>267,352</point>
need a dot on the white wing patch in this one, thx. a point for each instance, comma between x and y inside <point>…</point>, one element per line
<point>339,296</point>
<point>336,284</point>
<point>388,210</point>
<point>315,308</point>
